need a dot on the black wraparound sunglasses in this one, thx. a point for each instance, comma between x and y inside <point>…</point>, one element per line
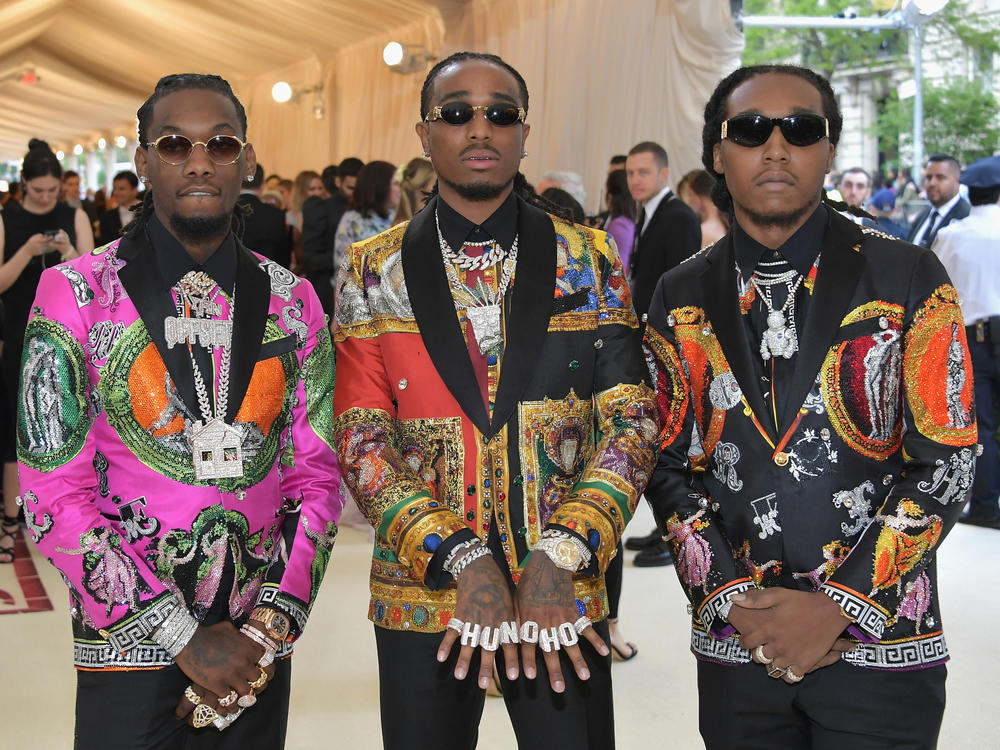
<point>754,130</point>
<point>175,149</point>
<point>459,113</point>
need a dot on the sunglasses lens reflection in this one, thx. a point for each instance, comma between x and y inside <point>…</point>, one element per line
<point>803,130</point>
<point>459,113</point>
<point>798,130</point>
<point>176,149</point>
<point>502,114</point>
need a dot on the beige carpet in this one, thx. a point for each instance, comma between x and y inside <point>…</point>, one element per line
<point>335,685</point>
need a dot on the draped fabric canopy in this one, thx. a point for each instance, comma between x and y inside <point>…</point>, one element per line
<point>602,74</point>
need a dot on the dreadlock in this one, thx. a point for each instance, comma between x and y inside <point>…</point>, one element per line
<point>715,115</point>
<point>521,185</point>
<point>169,85</point>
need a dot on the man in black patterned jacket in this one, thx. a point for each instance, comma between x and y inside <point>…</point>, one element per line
<point>815,392</point>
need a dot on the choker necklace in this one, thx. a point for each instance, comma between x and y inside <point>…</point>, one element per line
<point>490,257</point>
<point>780,339</point>
<point>216,447</point>
<point>481,305</point>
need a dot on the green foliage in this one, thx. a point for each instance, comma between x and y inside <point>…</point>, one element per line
<point>960,118</point>
<point>822,50</point>
<point>826,50</point>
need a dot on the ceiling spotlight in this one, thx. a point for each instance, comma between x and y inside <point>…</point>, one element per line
<point>78,149</point>
<point>392,54</point>
<point>60,155</point>
<point>120,141</point>
<point>281,92</point>
<point>406,58</point>
<point>101,144</point>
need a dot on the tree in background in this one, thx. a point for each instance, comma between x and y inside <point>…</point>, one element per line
<point>960,116</point>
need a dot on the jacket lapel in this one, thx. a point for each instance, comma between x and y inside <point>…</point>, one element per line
<point>840,268</point>
<point>434,311</point>
<point>141,278</point>
<point>723,311</point>
<point>253,301</point>
<point>530,306</point>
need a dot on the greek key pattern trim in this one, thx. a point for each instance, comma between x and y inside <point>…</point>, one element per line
<point>869,617</point>
<point>270,596</point>
<point>90,656</point>
<point>136,630</point>
<point>710,608</point>
<point>917,654</point>
<point>726,650</point>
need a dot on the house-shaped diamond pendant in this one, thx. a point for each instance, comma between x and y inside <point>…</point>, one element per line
<point>216,450</point>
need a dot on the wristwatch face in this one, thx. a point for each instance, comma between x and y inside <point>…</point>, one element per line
<point>567,554</point>
<point>279,626</point>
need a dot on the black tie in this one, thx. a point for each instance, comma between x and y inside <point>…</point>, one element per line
<point>928,237</point>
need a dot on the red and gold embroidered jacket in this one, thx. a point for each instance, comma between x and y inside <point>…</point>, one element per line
<point>571,436</point>
<point>867,469</point>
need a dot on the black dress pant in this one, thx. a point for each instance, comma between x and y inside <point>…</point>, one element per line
<point>425,708</point>
<point>135,711</point>
<point>833,708</point>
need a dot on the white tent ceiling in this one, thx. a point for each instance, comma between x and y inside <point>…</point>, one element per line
<point>603,74</point>
<point>97,60</point>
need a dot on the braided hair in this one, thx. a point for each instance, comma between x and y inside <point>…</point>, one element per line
<point>521,185</point>
<point>168,85</point>
<point>715,115</point>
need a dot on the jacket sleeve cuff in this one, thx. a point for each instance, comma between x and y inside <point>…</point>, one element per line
<point>869,618</point>
<point>593,516</point>
<point>416,528</point>
<point>139,626</point>
<point>436,577</point>
<point>716,602</point>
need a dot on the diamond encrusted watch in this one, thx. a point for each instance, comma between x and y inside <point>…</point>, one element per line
<point>565,550</point>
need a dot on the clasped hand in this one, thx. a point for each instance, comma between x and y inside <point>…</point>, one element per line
<point>545,616</point>
<point>789,631</point>
<point>221,661</point>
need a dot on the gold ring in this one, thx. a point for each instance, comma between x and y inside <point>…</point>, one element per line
<point>245,701</point>
<point>228,700</point>
<point>758,656</point>
<point>191,695</point>
<point>204,715</point>
<point>259,682</point>
<point>792,677</point>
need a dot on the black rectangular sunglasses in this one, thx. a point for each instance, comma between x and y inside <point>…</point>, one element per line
<point>753,130</point>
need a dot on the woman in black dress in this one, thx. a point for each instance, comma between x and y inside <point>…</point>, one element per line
<point>37,233</point>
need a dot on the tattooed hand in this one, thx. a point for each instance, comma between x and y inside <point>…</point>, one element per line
<point>483,599</point>
<point>545,595</point>
<point>220,659</point>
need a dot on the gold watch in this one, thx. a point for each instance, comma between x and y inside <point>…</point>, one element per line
<point>275,623</point>
<point>564,552</point>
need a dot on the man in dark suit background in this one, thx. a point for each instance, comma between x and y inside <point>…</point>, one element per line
<point>668,230</point>
<point>319,225</point>
<point>946,206</point>
<point>125,191</point>
<point>264,229</point>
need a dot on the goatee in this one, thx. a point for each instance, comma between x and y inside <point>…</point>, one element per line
<point>779,220</point>
<point>478,191</point>
<point>199,227</point>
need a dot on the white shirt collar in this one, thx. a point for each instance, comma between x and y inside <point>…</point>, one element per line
<point>945,208</point>
<point>652,204</point>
